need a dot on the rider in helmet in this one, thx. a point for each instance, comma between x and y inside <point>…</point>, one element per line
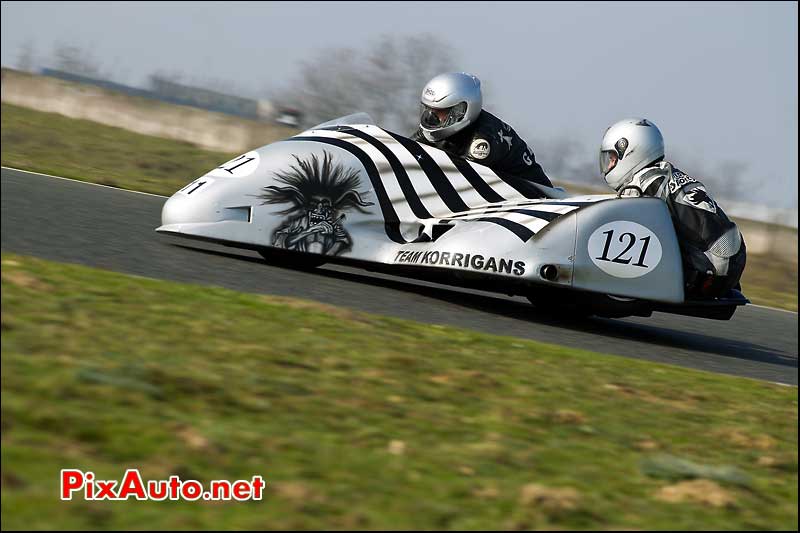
<point>453,120</point>
<point>632,161</point>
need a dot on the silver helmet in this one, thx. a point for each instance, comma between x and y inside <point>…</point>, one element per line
<point>629,146</point>
<point>450,103</point>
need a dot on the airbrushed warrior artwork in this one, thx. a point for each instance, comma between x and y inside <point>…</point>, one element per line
<point>319,191</point>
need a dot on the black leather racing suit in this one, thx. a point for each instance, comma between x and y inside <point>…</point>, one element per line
<point>712,247</point>
<point>491,142</point>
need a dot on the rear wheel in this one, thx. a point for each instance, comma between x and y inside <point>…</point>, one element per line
<point>584,305</point>
<point>560,304</point>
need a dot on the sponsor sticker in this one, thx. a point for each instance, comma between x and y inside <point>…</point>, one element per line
<point>698,197</point>
<point>526,159</point>
<point>621,146</point>
<point>624,249</point>
<point>679,179</point>
<point>499,265</point>
<point>479,149</point>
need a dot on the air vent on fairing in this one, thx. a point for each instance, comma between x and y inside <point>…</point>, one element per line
<point>240,213</point>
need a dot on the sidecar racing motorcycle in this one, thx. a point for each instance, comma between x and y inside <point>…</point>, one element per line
<point>350,192</point>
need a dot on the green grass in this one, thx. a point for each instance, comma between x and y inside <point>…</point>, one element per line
<point>771,282</point>
<point>361,421</point>
<point>79,149</point>
<point>88,151</point>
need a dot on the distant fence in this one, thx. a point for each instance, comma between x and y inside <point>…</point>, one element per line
<point>179,94</point>
<point>105,84</point>
<point>129,110</point>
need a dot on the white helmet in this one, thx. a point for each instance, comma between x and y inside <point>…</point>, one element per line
<point>629,146</point>
<point>459,95</point>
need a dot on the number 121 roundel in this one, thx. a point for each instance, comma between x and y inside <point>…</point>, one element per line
<point>624,249</point>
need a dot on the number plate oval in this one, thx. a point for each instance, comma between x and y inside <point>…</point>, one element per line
<point>624,249</point>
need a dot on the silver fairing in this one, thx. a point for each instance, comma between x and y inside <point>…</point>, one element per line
<point>362,193</point>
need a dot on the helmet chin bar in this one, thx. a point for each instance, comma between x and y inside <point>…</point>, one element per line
<point>434,135</point>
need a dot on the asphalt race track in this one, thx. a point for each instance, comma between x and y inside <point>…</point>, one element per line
<point>75,222</point>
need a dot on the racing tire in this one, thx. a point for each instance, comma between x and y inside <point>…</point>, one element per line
<point>564,308</point>
<point>295,260</point>
<point>580,306</point>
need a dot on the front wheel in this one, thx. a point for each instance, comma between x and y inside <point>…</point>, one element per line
<point>296,260</point>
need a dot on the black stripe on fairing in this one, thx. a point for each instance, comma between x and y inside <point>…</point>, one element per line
<point>557,204</point>
<point>517,229</point>
<point>435,174</point>
<point>438,178</point>
<point>390,218</point>
<point>543,215</point>
<point>526,188</point>
<point>399,171</point>
<point>475,179</point>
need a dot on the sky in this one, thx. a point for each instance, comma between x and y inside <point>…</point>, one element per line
<point>718,78</point>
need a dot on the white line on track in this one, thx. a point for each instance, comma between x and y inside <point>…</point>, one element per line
<point>162,196</point>
<point>772,308</point>
<point>84,182</point>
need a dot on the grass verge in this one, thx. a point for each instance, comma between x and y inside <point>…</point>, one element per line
<point>88,151</point>
<point>361,421</point>
<point>79,149</point>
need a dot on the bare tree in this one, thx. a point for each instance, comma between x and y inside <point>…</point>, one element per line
<point>384,80</point>
<point>567,159</point>
<point>727,179</point>
<point>26,60</point>
<point>558,156</point>
<point>173,75</point>
<point>74,60</point>
<point>77,60</point>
